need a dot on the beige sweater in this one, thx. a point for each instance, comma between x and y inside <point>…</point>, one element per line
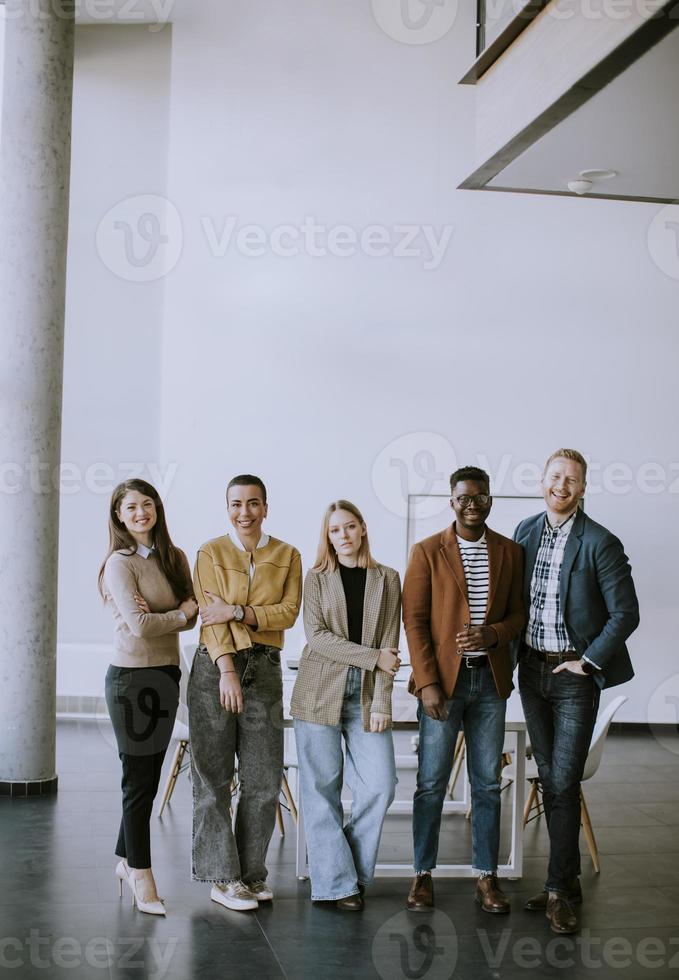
<point>143,639</point>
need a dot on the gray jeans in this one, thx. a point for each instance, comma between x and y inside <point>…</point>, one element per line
<point>217,737</point>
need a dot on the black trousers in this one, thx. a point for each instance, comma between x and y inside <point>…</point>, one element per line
<point>142,703</point>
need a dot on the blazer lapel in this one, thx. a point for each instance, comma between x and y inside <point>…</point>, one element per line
<point>338,602</point>
<point>496,553</point>
<point>570,554</point>
<point>372,602</point>
<point>451,556</point>
<point>531,546</point>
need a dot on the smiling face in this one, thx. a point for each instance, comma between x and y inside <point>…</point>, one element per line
<point>563,487</point>
<point>247,510</point>
<point>346,534</point>
<point>138,513</point>
<point>471,502</point>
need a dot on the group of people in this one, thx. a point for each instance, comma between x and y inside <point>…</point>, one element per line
<point>559,598</point>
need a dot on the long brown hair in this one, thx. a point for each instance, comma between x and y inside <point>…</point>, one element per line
<point>326,557</point>
<point>119,539</point>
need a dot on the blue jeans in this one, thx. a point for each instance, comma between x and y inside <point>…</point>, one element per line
<point>476,705</point>
<point>342,856</point>
<point>560,712</point>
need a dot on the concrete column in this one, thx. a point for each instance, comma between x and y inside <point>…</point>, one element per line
<point>35,152</point>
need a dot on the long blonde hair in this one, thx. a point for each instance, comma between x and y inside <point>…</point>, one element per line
<point>326,557</point>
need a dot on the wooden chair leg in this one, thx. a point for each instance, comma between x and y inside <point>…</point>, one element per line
<point>174,772</point>
<point>289,798</point>
<point>279,819</point>
<point>531,801</point>
<point>589,833</point>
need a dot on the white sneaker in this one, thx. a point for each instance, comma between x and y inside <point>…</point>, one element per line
<point>260,890</point>
<point>234,895</point>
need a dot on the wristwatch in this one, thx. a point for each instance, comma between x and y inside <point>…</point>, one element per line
<point>238,614</point>
<point>587,667</point>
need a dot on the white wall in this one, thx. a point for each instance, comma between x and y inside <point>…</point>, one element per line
<point>113,326</point>
<point>547,322</point>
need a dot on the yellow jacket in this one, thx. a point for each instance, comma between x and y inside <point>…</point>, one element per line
<point>274,593</point>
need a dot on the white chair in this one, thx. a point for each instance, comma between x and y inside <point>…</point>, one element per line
<point>180,735</point>
<point>534,807</point>
<point>180,732</point>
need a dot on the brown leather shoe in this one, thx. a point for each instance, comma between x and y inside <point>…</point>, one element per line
<point>538,903</point>
<point>352,903</point>
<point>490,896</point>
<point>562,918</point>
<point>421,895</point>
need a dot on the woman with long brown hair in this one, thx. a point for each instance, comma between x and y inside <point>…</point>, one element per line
<point>146,582</point>
<point>343,693</point>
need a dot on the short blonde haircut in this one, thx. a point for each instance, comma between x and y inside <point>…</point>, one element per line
<point>568,454</point>
<point>326,557</point>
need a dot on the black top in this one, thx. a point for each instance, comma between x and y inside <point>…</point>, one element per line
<point>353,580</point>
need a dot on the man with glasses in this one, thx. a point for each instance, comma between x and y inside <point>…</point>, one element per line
<point>462,607</point>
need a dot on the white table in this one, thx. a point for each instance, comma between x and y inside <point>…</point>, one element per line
<point>404,711</point>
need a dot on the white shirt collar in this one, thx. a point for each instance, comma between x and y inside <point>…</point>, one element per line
<point>262,543</point>
<point>143,551</point>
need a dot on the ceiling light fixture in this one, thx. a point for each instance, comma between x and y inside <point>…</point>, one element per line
<point>584,182</point>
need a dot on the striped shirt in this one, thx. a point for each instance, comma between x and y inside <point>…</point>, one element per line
<point>474,556</point>
<point>546,630</point>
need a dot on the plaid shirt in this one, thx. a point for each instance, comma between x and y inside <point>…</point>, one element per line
<point>546,630</point>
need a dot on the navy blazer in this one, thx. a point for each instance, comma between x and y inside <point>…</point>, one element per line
<point>598,600</point>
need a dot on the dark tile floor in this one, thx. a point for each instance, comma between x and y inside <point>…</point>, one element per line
<point>60,915</point>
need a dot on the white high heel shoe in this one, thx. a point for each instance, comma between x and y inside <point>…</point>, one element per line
<point>123,875</point>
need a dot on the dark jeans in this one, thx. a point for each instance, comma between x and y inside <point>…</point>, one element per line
<point>476,706</point>
<point>217,737</point>
<point>142,703</point>
<point>560,712</point>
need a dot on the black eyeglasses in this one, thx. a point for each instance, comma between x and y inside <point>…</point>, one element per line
<point>480,499</point>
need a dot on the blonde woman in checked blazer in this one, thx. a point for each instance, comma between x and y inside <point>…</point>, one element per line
<point>343,693</point>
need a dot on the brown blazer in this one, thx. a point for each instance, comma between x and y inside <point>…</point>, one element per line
<point>436,607</point>
<point>318,694</point>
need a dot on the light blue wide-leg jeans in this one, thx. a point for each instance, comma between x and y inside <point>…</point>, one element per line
<point>343,856</point>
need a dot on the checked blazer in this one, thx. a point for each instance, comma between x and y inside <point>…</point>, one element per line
<point>319,689</point>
